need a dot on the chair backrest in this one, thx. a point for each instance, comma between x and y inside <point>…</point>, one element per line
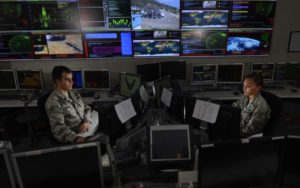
<point>275,104</point>
<point>41,105</point>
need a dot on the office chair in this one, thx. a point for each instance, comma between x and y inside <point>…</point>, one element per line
<point>275,104</point>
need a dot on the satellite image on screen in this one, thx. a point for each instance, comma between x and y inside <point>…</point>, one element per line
<point>15,44</point>
<point>65,44</point>
<point>155,14</point>
<point>13,16</point>
<point>156,48</point>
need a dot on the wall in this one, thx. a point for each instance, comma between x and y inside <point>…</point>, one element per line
<point>286,20</point>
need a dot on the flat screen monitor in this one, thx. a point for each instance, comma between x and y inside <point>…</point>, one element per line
<point>177,69</point>
<point>204,74</point>
<point>287,72</point>
<point>92,15</point>
<point>72,165</point>
<point>53,15</point>
<point>96,79</point>
<point>129,83</point>
<point>8,80</point>
<point>14,16</point>
<point>230,73</point>
<point>77,79</point>
<point>203,42</point>
<point>6,171</point>
<point>236,164</point>
<point>157,14</point>
<point>266,70</point>
<point>108,44</point>
<point>252,14</point>
<point>16,45</point>
<point>156,47</point>
<point>149,72</point>
<point>169,143</point>
<point>197,19</point>
<point>205,5</point>
<point>159,85</point>
<point>256,42</point>
<point>62,45</point>
<point>30,79</point>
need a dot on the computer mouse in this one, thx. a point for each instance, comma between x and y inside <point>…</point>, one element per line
<point>236,93</point>
<point>96,96</point>
<point>294,90</point>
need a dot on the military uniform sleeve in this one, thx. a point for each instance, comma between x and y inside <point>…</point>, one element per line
<point>256,123</point>
<point>58,128</point>
<point>87,113</point>
<point>238,104</point>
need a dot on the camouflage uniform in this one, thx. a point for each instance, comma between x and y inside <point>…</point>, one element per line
<point>254,115</point>
<point>66,114</point>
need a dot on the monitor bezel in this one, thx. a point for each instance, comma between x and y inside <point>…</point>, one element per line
<point>82,79</point>
<point>166,128</point>
<point>62,148</point>
<point>235,64</point>
<point>273,75</point>
<point>131,74</point>
<point>203,82</point>
<point>41,76</point>
<point>15,80</point>
<point>96,89</point>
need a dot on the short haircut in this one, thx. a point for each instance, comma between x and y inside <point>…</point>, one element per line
<point>256,78</point>
<point>58,71</point>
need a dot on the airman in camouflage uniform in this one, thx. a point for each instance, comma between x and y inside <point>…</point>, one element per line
<point>255,111</point>
<point>254,115</point>
<point>67,113</point>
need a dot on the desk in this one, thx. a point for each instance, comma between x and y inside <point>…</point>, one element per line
<point>219,95</point>
<point>288,91</point>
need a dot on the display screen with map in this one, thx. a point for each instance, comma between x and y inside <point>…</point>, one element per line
<point>30,79</point>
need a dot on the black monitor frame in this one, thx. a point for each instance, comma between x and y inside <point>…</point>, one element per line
<point>209,82</point>
<point>262,64</point>
<point>48,153</point>
<point>96,70</point>
<point>32,70</point>
<point>123,76</point>
<point>14,77</point>
<point>277,80</point>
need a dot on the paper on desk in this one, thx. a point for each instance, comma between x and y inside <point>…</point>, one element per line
<point>125,110</point>
<point>166,97</point>
<point>206,111</point>
<point>144,95</point>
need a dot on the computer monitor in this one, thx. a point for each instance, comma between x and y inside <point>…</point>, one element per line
<point>291,163</point>
<point>71,165</point>
<point>252,14</point>
<point>169,143</point>
<point>8,80</point>
<point>203,42</point>
<point>160,15</point>
<point>235,164</point>
<point>30,79</point>
<point>246,42</point>
<point>203,74</point>
<point>77,79</point>
<point>108,44</point>
<point>287,72</point>
<point>266,70</point>
<point>230,74</point>
<point>177,69</point>
<point>6,170</point>
<point>149,72</point>
<point>129,83</point>
<point>159,85</point>
<point>96,79</point>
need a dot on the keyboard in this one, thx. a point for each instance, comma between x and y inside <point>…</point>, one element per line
<point>274,87</point>
<point>215,89</point>
<point>10,96</point>
<point>87,94</point>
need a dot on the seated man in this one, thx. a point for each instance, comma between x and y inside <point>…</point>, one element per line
<point>69,116</point>
<point>255,111</point>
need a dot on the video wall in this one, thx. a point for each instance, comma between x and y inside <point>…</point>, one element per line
<point>38,29</point>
